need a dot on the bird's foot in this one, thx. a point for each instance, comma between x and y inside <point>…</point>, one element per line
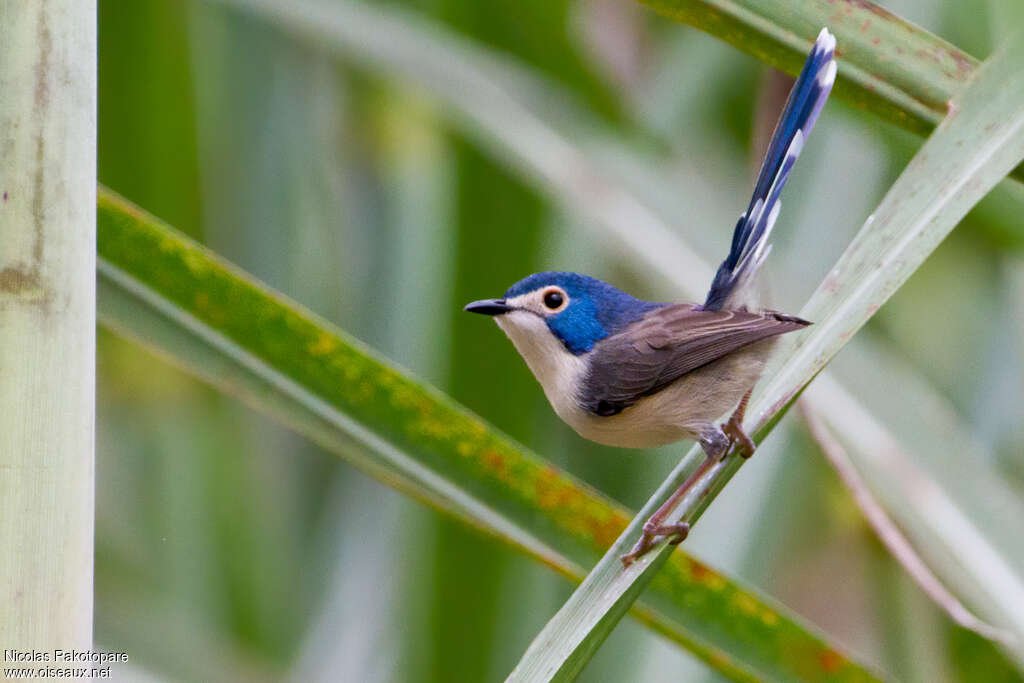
<point>734,428</point>
<point>715,441</point>
<point>651,533</point>
<point>735,432</point>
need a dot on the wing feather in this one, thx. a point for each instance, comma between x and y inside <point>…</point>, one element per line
<point>666,344</point>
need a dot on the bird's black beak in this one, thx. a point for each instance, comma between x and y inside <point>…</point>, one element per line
<point>488,307</point>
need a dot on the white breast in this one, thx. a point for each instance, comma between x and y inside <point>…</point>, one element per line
<point>558,371</point>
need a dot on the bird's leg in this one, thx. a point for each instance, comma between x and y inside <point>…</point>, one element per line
<point>715,445</point>
<point>734,428</point>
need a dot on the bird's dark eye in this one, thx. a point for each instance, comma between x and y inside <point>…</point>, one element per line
<point>554,299</point>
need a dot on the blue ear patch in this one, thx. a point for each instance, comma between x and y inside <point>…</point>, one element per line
<point>578,326</point>
<point>596,309</point>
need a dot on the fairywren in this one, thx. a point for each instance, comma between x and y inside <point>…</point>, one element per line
<point>626,372</point>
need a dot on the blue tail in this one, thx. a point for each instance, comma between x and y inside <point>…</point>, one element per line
<point>751,235</point>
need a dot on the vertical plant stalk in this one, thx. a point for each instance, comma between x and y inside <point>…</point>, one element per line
<point>48,319</point>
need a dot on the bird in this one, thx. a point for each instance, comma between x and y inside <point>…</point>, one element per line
<point>631,373</point>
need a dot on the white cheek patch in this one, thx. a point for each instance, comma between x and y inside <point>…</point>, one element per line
<point>523,319</point>
<point>527,331</point>
<point>522,301</point>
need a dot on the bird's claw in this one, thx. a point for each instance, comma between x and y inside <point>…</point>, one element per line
<point>651,532</point>
<point>739,437</point>
<point>733,428</point>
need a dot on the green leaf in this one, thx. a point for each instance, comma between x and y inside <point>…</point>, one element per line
<point>979,142</point>
<point>887,65</point>
<point>161,288</point>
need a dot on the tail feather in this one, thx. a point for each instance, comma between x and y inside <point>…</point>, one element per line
<point>750,238</point>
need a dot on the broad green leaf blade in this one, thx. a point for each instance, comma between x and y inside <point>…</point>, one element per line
<point>175,296</point>
<point>887,65</point>
<point>978,144</point>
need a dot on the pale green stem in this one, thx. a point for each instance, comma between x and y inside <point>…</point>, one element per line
<point>48,319</point>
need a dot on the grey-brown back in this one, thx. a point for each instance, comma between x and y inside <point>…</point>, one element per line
<point>666,344</point>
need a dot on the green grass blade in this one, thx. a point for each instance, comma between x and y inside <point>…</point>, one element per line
<point>978,144</point>
<point>887,65</point>
<point>163,289</point>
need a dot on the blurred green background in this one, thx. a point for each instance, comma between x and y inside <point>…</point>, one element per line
<point>229,549</point>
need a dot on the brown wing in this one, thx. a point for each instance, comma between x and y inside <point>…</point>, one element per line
<point>665,345</point>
